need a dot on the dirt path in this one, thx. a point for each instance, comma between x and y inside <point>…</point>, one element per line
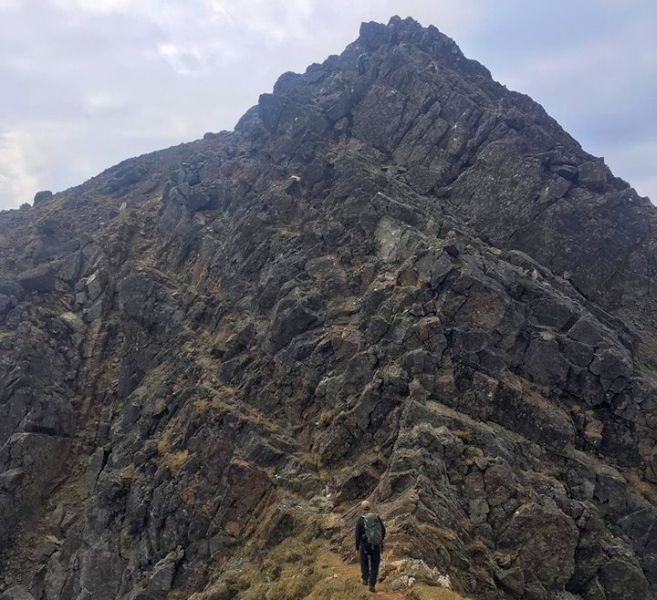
<point>344,581</point>
<point>352,572</point>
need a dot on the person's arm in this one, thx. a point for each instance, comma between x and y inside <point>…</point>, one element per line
<point>383,530</point>
<point>359,532</point>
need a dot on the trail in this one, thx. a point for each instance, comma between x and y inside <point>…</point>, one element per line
<point>343,581</point>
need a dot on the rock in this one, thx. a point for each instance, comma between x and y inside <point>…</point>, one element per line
<point>512,580</point>
<point>434,267</point>
<point>281,528</point>
<point>544,362</point>
<point>291,317</point>
<point>165,570</point>
<point>594,591</point>
<point>594,175</point>
<point>623,580</point>
<point>5,304</point>
<point>122,176</point>
<point>359,372</point>
<point>546,540</point>
<point>17,592</point>
<point>609,365</point>
<point>218,591</point>
<point>11,288</point>
<point>373,35</point>
<point>407,572</point>
<point>569,172</point>
<point>41,198</point>
<point>162,577</point>
<point>10,479</point>
<point>100,573</point>
<point>358,484</point>
<point>95,285</point>
<point>39,279</point>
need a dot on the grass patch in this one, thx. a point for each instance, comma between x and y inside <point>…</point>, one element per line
<point>289,572</point>
<point>311,571</point>
<point>129,473</point>
<point>164,443</point>
<point>6,335</point>
<point>645,489</point>
<point>175,460</point>
<point>201,407</point>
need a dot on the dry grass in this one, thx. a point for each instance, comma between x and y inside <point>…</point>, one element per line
<point>305,569</point>
<point>428,530</point>
<point>164,444</point>
<point>423,592</point>
<point>326,416</point>
<point>173,460</point>
<point>288,573</point>
<point>176,460</point>
<point>201,407</point>
<point>645,489</point>
<point>129,473</point>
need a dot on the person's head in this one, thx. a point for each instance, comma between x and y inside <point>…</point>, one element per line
<point>365,505</point>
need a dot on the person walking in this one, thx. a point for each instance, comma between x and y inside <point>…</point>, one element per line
<point>370,533</point>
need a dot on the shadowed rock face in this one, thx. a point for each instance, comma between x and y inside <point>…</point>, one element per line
<point>408,284</point>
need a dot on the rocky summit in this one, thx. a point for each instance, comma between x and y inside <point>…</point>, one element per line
<point>395,280</point>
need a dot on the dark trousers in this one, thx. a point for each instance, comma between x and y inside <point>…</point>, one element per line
<point>370,557</point>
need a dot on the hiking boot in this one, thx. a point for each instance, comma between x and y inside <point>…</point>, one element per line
<point>372,589</point>
<point>364,581</point>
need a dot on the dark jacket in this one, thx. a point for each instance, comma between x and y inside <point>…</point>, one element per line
<point>360,532</point>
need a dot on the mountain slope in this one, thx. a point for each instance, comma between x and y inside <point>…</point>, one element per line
<point>410,285</point>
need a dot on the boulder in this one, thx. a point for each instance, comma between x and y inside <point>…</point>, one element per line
<point>569,172</point>
<point>291,317</point>
<point>43,197</point>
<point>622,580</point>
<point>161,578</point>
<point>544,540</point>
<point>372,35</point>
<point>17,592</point>
<point>594,175</point>
<point>38,279</point>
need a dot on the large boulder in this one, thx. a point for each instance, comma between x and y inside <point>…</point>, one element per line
<point>42,197</point>
<point>622,580</point>
<point>39,279</point>
<point>543,540</point>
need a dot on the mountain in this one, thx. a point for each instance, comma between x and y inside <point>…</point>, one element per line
<point>408,285</point>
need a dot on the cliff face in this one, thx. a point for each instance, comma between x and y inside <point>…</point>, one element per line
<point>408,284</point>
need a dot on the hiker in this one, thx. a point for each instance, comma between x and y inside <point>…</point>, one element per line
<point>362,62</point>
<point>370,533</point>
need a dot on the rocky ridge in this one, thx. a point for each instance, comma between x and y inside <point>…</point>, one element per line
<point>410,285</point>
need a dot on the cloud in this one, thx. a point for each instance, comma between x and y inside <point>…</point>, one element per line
<point>18,179</point>
<point>94,6</point>
<point>634,161</point>
<point>9,5</point>
<point>103,102</point>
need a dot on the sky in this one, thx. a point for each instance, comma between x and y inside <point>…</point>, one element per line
<point>85,84</point>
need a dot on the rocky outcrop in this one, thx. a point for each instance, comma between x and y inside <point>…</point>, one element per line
<point>408,284</point>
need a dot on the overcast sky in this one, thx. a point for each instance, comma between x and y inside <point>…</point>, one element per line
<point>87,83</point>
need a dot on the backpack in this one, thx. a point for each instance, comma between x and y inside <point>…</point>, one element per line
<point>373,531</point>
